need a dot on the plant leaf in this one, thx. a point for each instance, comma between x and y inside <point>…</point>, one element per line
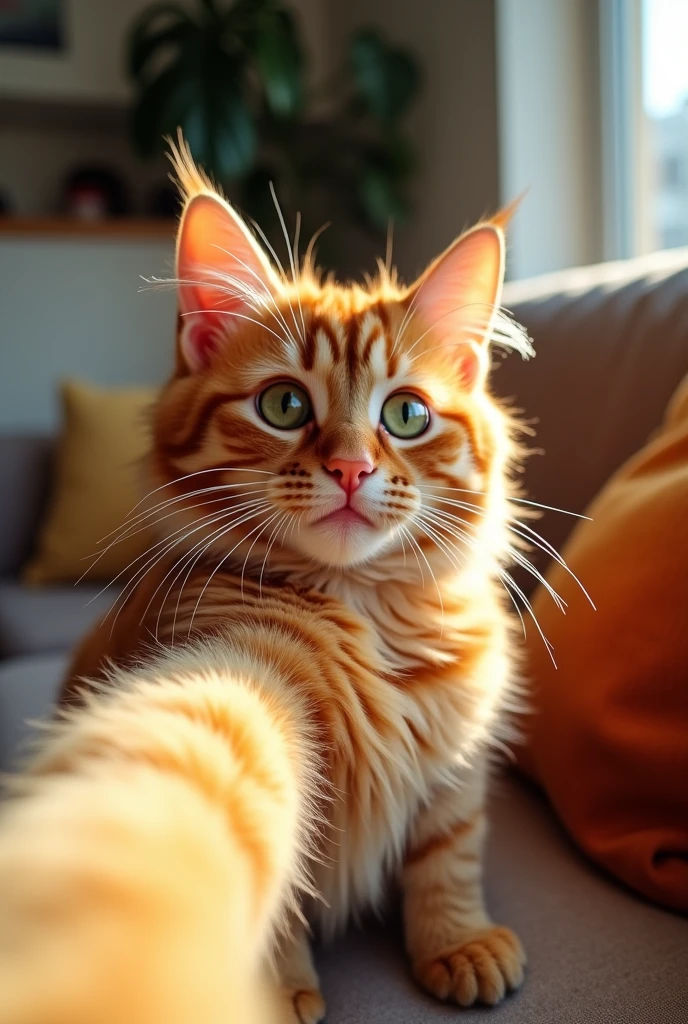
<point>386,79</point>
<point>160,107</point>
<point>280,60</point>
<point>156,25</point>
<point>217,122</point>
<point>145,47</point>
<point>380,200</point>
<point>235,140</point>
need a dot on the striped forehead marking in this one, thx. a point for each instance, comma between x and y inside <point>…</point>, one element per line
<point>358,340</point>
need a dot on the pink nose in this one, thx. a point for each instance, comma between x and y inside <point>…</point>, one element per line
<point>348,472</point>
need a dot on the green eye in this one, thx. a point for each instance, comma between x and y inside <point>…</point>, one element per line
<point>285,406</point>
<point>405,415</point>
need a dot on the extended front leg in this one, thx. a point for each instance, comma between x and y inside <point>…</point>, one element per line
<point>457,953</point>
<point>300,996</point>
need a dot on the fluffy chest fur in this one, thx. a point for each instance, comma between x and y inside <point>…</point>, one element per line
<point>416,719</point>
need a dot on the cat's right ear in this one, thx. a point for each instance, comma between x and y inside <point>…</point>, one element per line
<point>219,266</point>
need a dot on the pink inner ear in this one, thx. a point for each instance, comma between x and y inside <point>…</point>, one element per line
<point>457,296</point>
<point>469,365</point>
<point>199,339</point>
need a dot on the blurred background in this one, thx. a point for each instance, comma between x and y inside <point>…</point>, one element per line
<point>396,120</point>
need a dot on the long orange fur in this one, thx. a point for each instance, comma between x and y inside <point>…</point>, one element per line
<point>281,717</point>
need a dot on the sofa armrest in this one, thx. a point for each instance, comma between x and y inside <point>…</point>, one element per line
<point>25,471</point>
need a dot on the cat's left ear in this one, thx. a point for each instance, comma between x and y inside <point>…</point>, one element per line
<point>219,264</point>
<point>456,300</point>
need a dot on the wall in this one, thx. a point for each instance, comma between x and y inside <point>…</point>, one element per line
<point>549,131</point>
<point>73,309</point>
<point>454,123</point>
<point>92,68</point>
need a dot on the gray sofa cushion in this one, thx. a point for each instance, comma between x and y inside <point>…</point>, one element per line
<point>28,687</point>
<point>25,476</point>
<point>36,620</point>
<point>597,954</point>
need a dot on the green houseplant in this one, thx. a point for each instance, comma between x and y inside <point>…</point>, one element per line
<point>232,76</point>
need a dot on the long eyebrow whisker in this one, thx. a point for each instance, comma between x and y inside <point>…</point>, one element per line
<point>291,257</point>
<point>268,245</point>
<point>268,302</point>
<point>239,316</point>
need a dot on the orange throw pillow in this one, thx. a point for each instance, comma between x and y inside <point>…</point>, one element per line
<point>608,738</point>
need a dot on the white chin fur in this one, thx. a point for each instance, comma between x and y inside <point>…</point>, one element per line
<point>341,545</point>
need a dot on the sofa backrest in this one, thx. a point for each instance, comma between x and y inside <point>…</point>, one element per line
<point>611,346</point>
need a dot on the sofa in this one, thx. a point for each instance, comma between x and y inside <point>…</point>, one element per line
<point>612,345</point>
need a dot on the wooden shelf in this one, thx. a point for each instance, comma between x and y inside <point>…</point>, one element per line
<point>69,227</point>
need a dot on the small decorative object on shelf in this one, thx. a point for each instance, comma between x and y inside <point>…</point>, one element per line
<point>95,193</point>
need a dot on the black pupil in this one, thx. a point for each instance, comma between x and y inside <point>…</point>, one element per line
<point>405,412</point>
<point>288,399</point>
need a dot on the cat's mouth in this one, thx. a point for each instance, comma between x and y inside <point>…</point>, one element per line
<point>345,517</point>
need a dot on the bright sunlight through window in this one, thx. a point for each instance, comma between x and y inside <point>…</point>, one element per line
<point>665,103</point>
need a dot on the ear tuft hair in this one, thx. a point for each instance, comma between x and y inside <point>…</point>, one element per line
<point>190,179</point>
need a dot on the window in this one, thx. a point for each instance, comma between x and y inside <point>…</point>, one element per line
<point>665,108</point>
<point>644,93</point>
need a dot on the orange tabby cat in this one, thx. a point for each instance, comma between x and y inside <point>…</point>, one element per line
<point>295,702</point>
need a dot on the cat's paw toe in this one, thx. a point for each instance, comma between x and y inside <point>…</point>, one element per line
<point>480,969</point>
<point>303,1006</point>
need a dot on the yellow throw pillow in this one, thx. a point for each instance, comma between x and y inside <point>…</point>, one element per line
<point>103,440</point>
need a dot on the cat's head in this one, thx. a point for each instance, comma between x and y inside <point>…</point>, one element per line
<point>329,423</point>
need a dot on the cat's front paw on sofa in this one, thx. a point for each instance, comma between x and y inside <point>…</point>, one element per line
<point>301,1006</point>
<point>480,968</point>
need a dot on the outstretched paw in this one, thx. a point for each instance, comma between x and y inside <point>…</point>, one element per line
<point>481,968</point>
<point>303,1006</point>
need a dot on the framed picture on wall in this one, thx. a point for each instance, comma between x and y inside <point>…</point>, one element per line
<point>32,24</point>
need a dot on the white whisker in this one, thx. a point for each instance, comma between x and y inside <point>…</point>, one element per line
<point>521,501</point>
<point>223,489</point>
<point>198,472</point>
<point>284,521</point>
<point>291,256</point>
<point>175,512</point>
<point>411,539</point>
<point>430,570</point>
<point>194,555</point>
<point>253,544</point>
<point>215,570</point>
